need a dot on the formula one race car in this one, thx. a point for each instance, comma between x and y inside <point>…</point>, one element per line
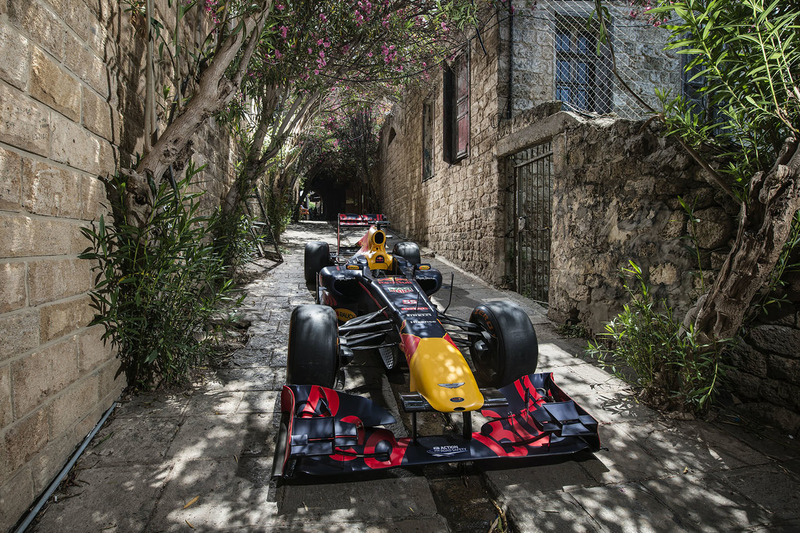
<point>381,301</point>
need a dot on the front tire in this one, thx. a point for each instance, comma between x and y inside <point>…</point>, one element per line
<point>317,256</point>
<point>313,357</point>
<point>508,348</point>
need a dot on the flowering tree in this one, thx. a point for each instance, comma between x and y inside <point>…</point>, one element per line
<point>320,57</point>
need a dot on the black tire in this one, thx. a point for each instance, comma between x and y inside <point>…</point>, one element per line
<point>509,350</point>
<point>317,257</point>
<point>313,357</point>
<point>409,251</point>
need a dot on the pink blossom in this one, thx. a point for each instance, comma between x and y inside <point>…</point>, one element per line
<point>284,31</point>
<point>280,7</point>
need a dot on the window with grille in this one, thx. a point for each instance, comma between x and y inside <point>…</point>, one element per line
<point>427,140</point>
<point>582,76</point>
<point>456,110</point>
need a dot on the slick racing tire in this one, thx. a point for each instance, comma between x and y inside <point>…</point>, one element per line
<point>409,251</point>
<point>317,257</point>
<point>508,348</point>
<point>313,357</point>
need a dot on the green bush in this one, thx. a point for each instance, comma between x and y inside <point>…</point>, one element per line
<point>647,347</point>
<point>157,286</point>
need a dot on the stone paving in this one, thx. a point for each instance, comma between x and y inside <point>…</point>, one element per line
<point>201,460</point>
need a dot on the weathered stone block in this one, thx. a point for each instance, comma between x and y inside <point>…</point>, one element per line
<point>97,115</point>
<point>87,66</point>
<point>42,374</point>
<point>77,401</point>
<point>10,180</point>
<point>93,350</point>
<point>23,440</point>
<point>112,380</point>
<point>93,194</point>
<point>20,332</point>
<point>6,412</point>
<point>51,280</point>
<point>22,236</point>
<point>780,393</point>
<point>15,51</point>
<point>24,123</point>
<point>62,318</point>
<point>776,339</point>
<point>15,496</point>
<point>48,190</point>
<point>83,22</point>
<point>784,369</point>
<point>42,26</point>
<point>12,286</point>
<point>48,462</point>
<point>745,358</point>
<point>76,147</point>
<point>53,86</point>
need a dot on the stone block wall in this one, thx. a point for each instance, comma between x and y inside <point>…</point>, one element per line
<point>458,212</point>
<point>71,109</point>
<point>615,200</point>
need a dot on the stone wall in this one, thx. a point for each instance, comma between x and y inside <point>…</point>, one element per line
<point>458,212</point>
<point>615,200</point>
<point>765,368</point>
<point>71,108</point>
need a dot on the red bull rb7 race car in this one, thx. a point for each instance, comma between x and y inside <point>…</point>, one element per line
<point>381,301</point>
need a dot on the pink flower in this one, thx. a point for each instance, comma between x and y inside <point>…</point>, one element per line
<point>280,7</point>
<point>284,31</point>
<point>323,18</point>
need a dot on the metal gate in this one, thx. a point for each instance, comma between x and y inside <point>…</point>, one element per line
<point>533,170</point>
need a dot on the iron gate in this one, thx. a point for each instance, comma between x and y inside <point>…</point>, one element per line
<point>533,170</point>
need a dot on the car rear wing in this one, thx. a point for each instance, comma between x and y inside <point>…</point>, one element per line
<point>351,220</point>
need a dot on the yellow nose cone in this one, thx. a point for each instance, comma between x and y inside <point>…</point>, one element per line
<point>442,376</point>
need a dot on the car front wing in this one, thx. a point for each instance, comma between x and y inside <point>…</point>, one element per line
<point>328,432</point>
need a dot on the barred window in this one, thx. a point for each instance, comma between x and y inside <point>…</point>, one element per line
<point>582,76</point>
<point>456,130</point>
<point>427,140</point>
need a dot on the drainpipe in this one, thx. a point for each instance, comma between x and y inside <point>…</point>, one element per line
<point>61,475</point>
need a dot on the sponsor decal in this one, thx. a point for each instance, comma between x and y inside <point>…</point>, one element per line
<point>399,290</point>
<point>446,451</point>
<point>451,385</point>
<point>408,302</point>
<point>345,314</point>
<point>456,399</point>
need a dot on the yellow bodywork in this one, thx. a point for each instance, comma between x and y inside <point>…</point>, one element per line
<point>373,247</point>
<point>442,376</point>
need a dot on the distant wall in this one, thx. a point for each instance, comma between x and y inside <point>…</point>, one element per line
<point>458,211</point>
<point>71,109</point>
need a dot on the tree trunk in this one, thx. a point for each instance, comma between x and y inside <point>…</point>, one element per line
<point>764,226</point>
<point>214,91</point>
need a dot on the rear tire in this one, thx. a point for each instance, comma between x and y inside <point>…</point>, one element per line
<point>409,251</point>
<point>313,357</point>
<point>317,256</point>
<point>508,349</point>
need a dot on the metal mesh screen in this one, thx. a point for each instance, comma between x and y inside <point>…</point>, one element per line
<point>558,55</point>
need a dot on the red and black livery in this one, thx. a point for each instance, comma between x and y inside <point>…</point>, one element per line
<point>376,300</point>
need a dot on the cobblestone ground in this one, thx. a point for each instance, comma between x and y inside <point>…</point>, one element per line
<point>201,459</point>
